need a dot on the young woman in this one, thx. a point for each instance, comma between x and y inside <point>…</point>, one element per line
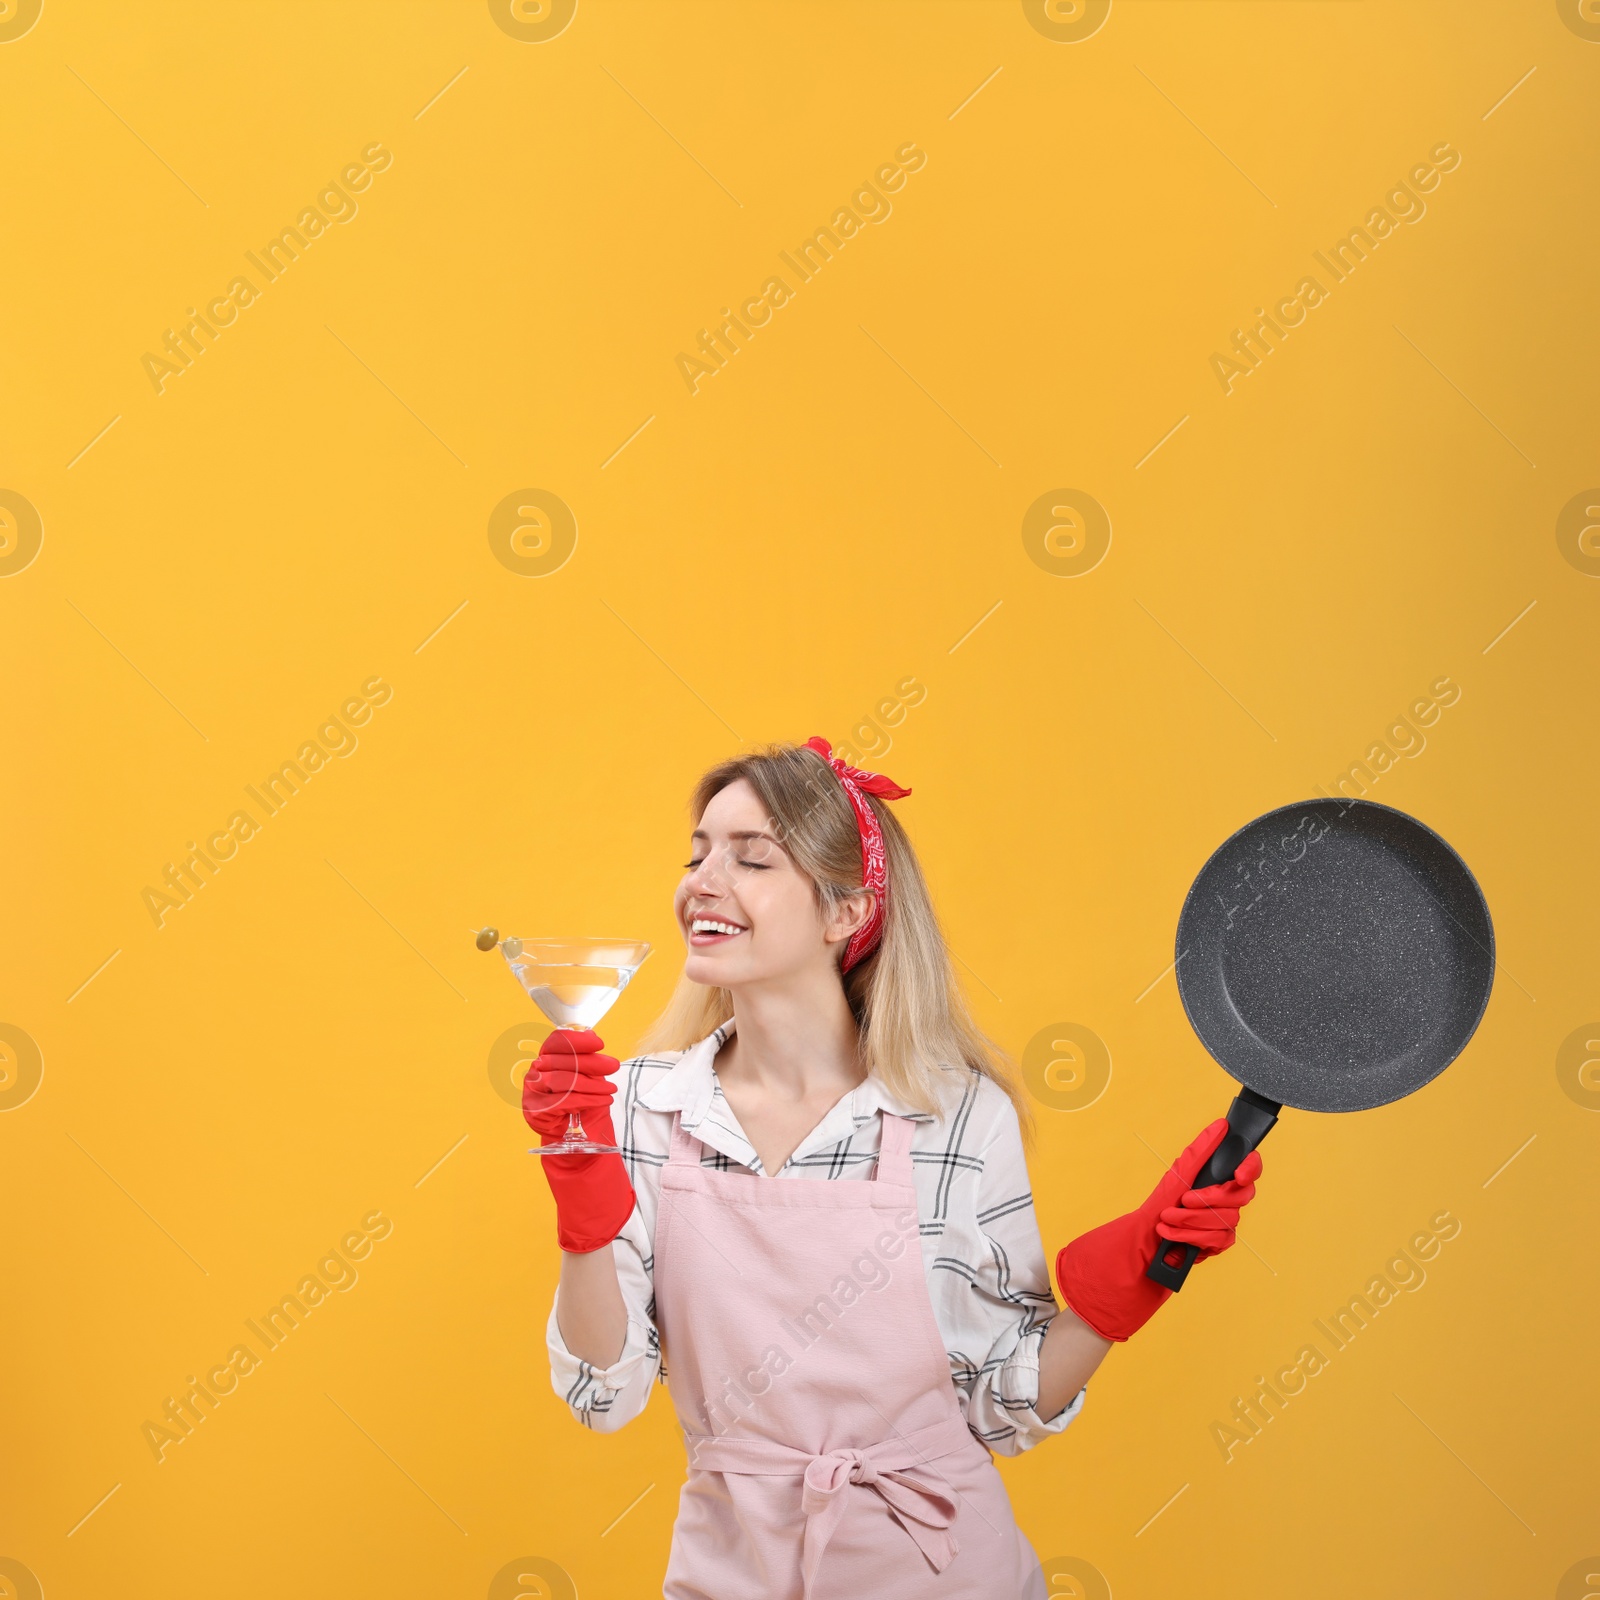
<point>820,1231</point>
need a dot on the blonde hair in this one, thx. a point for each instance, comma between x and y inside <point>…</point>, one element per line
<point>913,1018</point>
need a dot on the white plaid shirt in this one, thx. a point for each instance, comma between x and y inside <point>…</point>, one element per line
<point>981,1249</point>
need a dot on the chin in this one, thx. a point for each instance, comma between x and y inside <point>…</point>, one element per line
<point>705,969</point>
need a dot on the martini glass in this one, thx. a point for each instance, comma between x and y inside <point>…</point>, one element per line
<point>574,982</point>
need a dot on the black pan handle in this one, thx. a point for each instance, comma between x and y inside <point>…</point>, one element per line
<point>1250,1120</point>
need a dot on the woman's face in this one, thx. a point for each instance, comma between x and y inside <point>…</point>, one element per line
<point>741,878</point>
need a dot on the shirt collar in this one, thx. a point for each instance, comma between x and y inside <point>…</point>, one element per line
<point>692,1089</point>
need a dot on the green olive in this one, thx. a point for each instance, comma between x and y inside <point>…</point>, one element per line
<point>488,939</point>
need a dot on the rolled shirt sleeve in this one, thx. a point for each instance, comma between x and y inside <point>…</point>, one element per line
<point>1011,1304</point>
<point>606,1398</point>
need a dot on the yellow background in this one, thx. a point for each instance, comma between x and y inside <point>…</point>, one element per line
<point>834,511</point>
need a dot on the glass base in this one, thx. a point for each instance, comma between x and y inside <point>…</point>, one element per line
<point>576,1147</point>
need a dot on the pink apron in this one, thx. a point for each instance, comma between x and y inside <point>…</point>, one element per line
<point>828,1457</point>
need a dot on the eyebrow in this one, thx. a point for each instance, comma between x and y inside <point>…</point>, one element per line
<point>745,833</point>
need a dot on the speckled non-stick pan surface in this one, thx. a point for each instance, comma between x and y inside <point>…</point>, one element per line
<point>1335,955</point>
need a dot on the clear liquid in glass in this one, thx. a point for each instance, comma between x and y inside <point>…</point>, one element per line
<point>574,982</point>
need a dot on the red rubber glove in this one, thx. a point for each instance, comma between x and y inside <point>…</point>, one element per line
<point>593,1196</point>
<point>1101,1273</point>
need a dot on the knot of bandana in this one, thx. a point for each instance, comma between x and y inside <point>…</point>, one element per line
<point>874,865</point>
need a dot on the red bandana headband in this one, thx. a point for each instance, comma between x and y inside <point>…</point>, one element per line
<point>874,865</point>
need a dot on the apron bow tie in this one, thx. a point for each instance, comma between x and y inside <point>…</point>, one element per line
<point>924,1511</point>
<point>827,1475</point>
<point>899,1470</point>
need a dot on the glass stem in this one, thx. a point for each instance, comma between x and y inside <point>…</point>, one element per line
<point>574,1133</point>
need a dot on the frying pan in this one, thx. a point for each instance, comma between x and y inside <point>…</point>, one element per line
<point>1332,956</point>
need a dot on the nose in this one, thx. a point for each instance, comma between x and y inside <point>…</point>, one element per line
<point>704,885</point>
<point>710,879</point>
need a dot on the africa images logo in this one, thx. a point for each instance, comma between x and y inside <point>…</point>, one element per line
<point>334,202</point>
<point>336,1273</point>
<point>336,737</point>
<point>869,203</point>
<point>1402,204</point>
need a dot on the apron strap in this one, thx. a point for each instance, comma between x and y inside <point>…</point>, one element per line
<point>685,1147</point>
<point>894,1149</point>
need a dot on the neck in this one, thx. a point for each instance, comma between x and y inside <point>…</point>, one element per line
<point>795,1039</point>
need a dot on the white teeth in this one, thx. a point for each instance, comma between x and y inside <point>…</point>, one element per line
<point>706,925</point>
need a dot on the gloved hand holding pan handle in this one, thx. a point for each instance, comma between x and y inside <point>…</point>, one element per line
<point>1105,1274</point>
<point>1250,1119</point>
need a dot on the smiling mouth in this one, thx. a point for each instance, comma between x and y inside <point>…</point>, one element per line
<point>707,931</point>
